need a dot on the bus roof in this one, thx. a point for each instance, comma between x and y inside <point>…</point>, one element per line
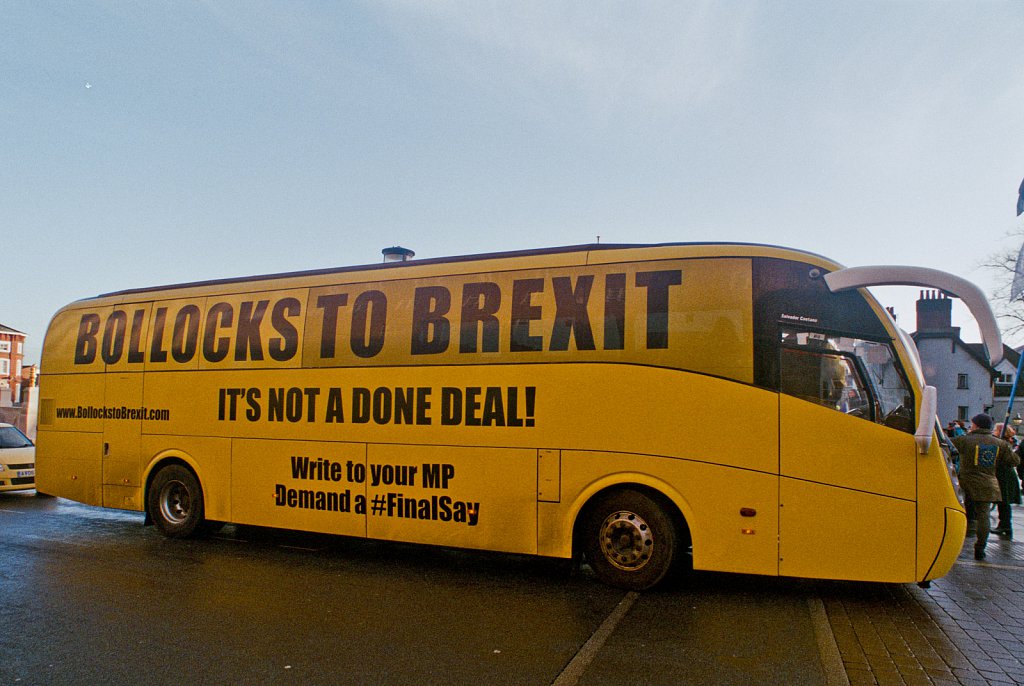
<point>746,249</point>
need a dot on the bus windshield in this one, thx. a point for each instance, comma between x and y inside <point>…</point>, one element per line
<point>10,437</point>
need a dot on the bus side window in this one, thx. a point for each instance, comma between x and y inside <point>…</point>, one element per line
<point>851,375</point>
<point>826,379</point>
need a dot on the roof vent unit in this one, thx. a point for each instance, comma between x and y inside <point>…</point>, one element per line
<point>397,253</point>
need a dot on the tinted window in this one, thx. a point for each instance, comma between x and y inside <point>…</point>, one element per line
<point>847,374</point>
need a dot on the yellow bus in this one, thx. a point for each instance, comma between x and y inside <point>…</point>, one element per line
<point>741,408</point>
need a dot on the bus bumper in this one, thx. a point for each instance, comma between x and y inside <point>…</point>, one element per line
<point>952,543</point>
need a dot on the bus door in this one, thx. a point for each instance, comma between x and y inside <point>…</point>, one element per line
<point>122,429</point>
<point>847,459</point>
<point>123,401</point>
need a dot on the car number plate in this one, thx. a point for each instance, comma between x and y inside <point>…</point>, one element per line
<point>26,472</point>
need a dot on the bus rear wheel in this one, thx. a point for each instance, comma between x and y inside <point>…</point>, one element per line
<point>175,502</point>
<point>629,540</point>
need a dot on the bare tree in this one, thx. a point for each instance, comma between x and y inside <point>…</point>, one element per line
<point>1003,266</point>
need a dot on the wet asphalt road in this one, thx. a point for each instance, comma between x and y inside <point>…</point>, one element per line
<point>91,596</point>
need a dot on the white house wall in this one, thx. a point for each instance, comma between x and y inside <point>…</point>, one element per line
<point>943,361</point>
<point>999,403</point>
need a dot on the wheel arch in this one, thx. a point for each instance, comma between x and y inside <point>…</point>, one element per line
<point>660,491</point>
<point>164,459</point>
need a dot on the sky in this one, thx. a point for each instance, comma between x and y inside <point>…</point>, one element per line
<point>148,143</point>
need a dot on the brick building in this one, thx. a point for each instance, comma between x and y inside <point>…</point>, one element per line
<point>12,344</point>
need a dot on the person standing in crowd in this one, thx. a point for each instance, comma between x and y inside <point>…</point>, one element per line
<point>980,453</point>
<point>1009,485</point>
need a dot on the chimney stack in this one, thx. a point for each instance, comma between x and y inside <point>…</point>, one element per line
<point>934,311</point>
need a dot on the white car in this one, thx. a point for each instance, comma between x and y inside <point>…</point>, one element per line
<point>17,460</point>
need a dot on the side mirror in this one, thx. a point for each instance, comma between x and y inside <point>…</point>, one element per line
<point>926,419</point>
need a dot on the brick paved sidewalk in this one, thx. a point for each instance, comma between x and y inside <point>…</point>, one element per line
<point>968,628</point>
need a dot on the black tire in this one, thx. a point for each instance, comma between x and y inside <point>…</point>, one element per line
<point>629,540</point>
<point>175,502</point>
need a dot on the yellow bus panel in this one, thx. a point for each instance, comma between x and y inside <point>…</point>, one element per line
<point>827,532</point>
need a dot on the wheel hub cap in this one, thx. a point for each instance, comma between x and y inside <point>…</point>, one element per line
<point>626,541</point>
<point>175,503</point>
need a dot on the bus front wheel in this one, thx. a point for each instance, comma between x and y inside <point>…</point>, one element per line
<point>175,502</point>
<point>629,540</point>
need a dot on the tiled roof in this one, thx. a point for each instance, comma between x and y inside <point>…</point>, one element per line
<point>978,350</point>
<point>7,329</point>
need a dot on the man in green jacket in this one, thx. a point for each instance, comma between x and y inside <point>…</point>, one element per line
<point>980,455</point>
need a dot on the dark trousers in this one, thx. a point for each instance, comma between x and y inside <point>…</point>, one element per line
<point>1005,516</point>
<point>978,512</point>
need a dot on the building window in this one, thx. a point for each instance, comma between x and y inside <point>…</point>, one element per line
<point>961,381</point>
<point>5,367</point>
<point>5,346</point>
<point>961,412</point>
